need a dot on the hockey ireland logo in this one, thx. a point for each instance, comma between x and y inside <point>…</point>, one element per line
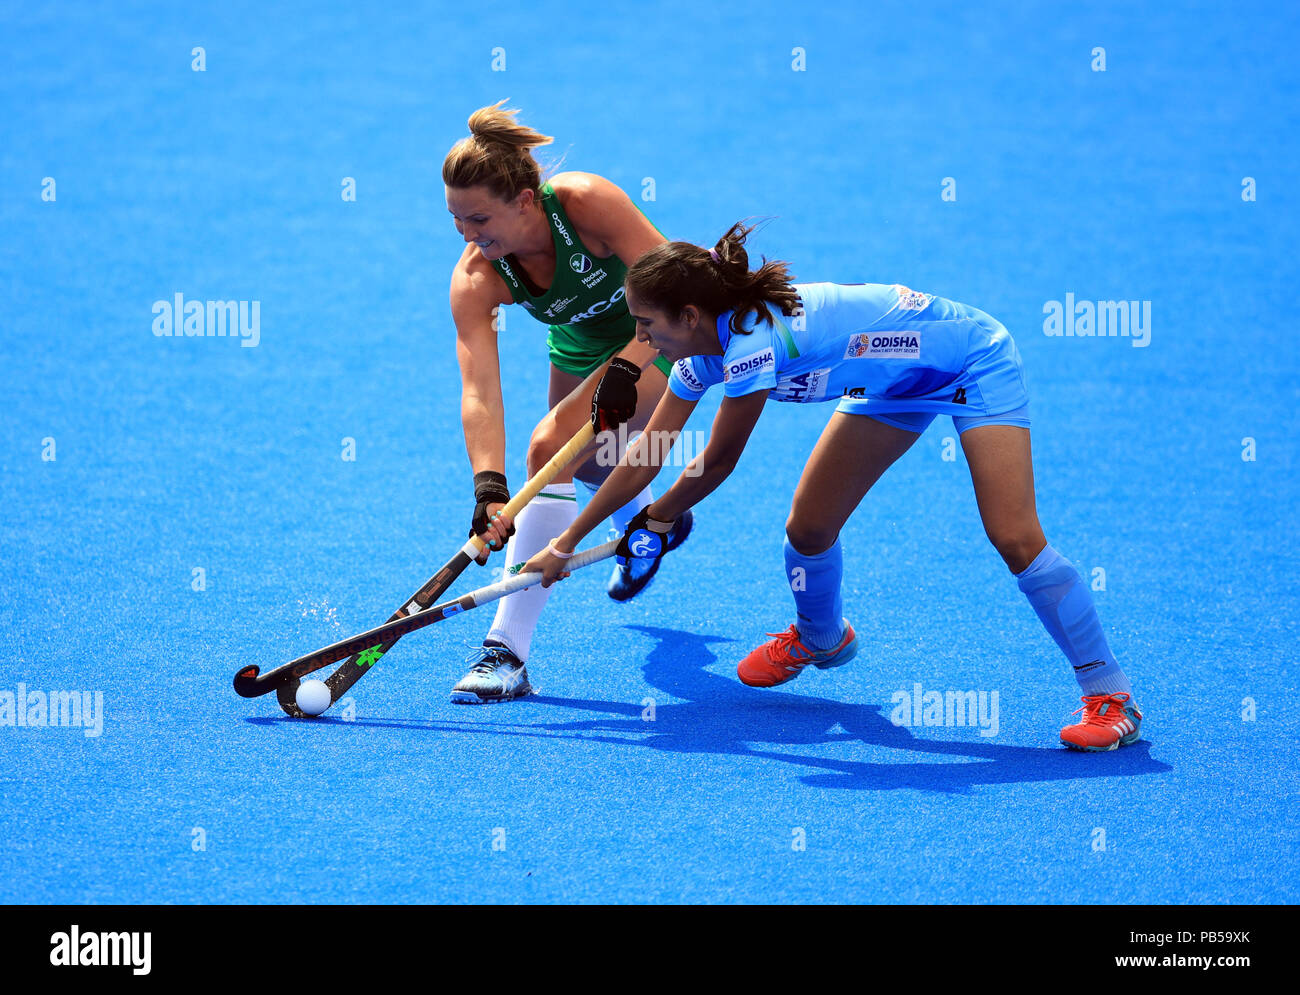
<point>579,263</point>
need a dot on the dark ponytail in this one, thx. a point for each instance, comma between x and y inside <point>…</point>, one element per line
<point>675,274</point>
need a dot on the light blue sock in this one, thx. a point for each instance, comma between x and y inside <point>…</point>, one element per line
<point>1064,605</point>
<point>815,583</point>
<point>621,518</point>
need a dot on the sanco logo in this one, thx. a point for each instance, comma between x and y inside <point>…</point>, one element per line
<point>579,263</point>
<point>559,226</point>
<point>600,307</point>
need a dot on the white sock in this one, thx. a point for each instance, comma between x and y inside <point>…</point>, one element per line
<point>1107,679</point>
<point>543,518</point>
<point>624,515</point>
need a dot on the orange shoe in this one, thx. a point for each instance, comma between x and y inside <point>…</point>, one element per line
<point>784,658</point>
<point>1109,722</point>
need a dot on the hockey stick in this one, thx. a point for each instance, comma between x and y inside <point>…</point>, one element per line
<point>284,680</point>
<point>393,630</point>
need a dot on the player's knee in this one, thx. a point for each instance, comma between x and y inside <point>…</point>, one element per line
<point>544,444</point>
<point>1017,546</point>
<point>808,538</point>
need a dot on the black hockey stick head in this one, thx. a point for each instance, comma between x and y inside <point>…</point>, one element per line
<point>247,685</point>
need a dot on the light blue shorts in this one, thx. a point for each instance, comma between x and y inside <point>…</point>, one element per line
<point>919,421</point>
<point>992,391</point>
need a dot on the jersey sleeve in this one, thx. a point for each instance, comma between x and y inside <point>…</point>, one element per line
<point>691,377</point>
<point>752,362</point>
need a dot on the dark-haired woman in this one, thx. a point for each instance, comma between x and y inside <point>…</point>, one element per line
<point>561,249</point>
<point>893,359</point>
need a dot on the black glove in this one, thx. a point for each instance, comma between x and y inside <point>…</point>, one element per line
<point>489,488</point>
<point>644,538</point>
<point>615,399</point>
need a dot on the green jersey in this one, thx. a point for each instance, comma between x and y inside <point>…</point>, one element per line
<point>583,306</point>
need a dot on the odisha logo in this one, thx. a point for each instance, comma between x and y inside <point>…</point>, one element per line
<point>688,375</point>
<point>750,364</point>
<point>883,345</point>
<point>579,263</point>
<point>894,342</point>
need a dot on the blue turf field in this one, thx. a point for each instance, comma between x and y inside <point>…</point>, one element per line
<point>173,455</point>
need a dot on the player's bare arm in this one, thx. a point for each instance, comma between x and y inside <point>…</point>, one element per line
<point>732,427</point>
<point>475,292</point>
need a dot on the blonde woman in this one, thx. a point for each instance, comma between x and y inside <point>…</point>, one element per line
<point>560,248</point>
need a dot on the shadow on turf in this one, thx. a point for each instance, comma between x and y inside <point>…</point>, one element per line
<point>721,716</point>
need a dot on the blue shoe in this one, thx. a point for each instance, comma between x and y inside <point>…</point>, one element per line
<point>627,581</point>
<point>497,675</point>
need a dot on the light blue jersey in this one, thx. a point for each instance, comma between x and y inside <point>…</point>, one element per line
<point>873,347</point>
